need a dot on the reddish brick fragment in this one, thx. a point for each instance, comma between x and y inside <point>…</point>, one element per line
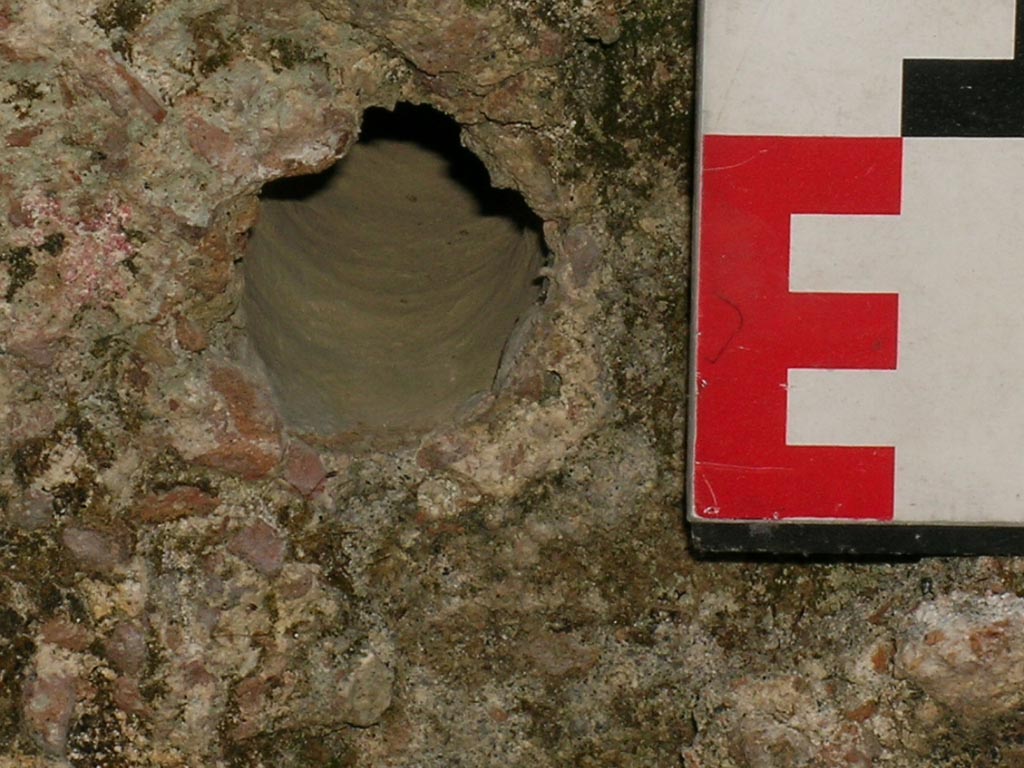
<point>183,501</point>
<point>249,441</point>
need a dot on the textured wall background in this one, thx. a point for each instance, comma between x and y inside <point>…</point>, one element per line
<point>186,582</point>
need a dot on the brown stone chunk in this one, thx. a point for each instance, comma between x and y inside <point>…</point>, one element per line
<point>66,634</point>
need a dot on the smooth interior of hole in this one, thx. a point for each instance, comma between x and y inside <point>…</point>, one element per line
<point>381,293</point>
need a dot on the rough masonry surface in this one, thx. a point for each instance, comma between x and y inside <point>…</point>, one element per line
<point>186,581</point>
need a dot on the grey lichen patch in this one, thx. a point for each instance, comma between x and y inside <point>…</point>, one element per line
<point>74,498</point>
<point>119,19</point>
<point>137,238</point>
<point>91,440</point>
<point>115,367</point>
<point>322,545</point>
<point>38,584</point>
<point>75,490</point>
<point>630,139</point>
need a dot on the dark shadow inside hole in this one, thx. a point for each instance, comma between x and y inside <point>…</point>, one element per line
<point>434,131</point>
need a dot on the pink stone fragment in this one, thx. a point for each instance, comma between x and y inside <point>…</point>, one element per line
<point>260,546</point>
<point>183,501</point>
<point>197,675</point>
<point>93,550</point>
<point>125,647</point>
<point>22,137</point>
<point>303,469</point>
<point>128,698</point>
<point>139,92</point>
<point>967,653</point>
<point>48,706</point>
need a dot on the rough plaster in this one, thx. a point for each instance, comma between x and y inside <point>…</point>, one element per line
<point>186,582</point>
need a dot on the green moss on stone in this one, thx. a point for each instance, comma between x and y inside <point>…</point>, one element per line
<point>24,90</point>
<point>122,14</point>
<point>169,469</point>
<point>54,244</point>
<point>136,237</point>
<point>634,95</point>
<point>92,442</point>
<point>30,459</point>
<point>320,545</point>
<point>286,53</point>
<point>21,268</point>
<point>107,345</point>
<point>97,737</point>
<point>16,650</point>
<point>291,749</point>
<point>72,499</point>
<point>213,48</point>
<point>113,352</point>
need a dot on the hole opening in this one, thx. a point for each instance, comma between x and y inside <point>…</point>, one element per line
<point>381,293</point>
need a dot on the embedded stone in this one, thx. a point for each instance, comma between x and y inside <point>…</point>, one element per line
<point>125,647</point>
<point>260,546</point>
<point>93,550</point>
<point>967,652</point>
<point>49,704</point>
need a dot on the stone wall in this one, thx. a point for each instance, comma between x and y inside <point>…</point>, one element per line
<point>186,580</point>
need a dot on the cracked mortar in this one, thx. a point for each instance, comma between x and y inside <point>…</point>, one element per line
<point>188,580</point>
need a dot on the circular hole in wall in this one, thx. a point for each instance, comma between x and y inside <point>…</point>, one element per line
<point>381,293</point>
